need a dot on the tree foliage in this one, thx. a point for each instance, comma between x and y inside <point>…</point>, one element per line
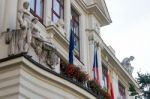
<point>132,90</point>
<point>144,83</point>
<point>143,80</point>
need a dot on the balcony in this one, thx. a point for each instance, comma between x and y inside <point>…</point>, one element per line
<point>31,61</point>
<point>87,89</point>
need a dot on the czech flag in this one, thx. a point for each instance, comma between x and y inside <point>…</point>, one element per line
<point>95,68</point>
<point>71,47</point>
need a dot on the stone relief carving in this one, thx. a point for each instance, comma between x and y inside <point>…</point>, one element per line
<point>127,65</point>
<point>29,36</point>
<point>44,48</point>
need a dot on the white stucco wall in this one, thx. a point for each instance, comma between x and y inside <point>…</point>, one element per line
<point>2,5</point>
<point>10,14</point>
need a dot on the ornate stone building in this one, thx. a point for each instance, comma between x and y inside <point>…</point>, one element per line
<point>34,42</point>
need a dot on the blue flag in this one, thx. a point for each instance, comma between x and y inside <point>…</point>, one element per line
<point>71,47</point>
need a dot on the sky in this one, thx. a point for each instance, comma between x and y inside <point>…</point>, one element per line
<point>129,32</point>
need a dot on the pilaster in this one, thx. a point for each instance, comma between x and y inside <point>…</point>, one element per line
<point>91,56</point>
<point>67,16</point>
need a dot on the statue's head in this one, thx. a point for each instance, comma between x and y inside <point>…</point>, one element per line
<point>131,58</point>
<point>26,5</point>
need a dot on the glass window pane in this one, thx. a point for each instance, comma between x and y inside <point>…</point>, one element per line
<point>32,3</point>
<point>56,6</point>
<point>75,15</point>
<point>76,43</point>
<point>55,18</point>
<point>76,29</point>
<point>39,8</point>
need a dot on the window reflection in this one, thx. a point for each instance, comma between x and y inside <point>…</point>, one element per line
<point>32,2</point>
<point>75,27</point>
<point>122,91</point>
<point>56,6</point>
<point>37,8</point>
<point>57,10</point>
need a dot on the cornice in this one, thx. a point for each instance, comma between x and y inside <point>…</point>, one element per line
<point>96,11</point>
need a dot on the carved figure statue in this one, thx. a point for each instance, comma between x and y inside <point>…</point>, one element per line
<point>24,19</point>
<point>19,41</point>
<point>126,63</point>
<point>43,47</point>
<point>37,39</point>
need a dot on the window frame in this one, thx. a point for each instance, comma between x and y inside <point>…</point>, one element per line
<point>76,36</point>
<point>121,86</point>
<point>34,13</point>
<point>105,74</point>
<point>61,8</point>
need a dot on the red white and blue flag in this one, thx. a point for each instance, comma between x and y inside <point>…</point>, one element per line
<point>95,68</point>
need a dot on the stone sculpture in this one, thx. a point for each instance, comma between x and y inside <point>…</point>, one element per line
<point>44,49</point>
<point>127,65</point>
<point>29,36</point>
<point>24,19</point>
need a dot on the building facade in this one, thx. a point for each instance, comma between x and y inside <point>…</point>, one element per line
<point>34,44</point>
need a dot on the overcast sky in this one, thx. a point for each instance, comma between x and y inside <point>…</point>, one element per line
<point>129,32</point>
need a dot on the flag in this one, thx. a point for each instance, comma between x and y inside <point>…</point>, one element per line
<point>71,47</point>
<point>109,85</point>
<point>95,68</point>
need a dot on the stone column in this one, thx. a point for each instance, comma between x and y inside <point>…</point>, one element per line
<point>67,17</point>
<point>91,56</point>
<point>48,12</point>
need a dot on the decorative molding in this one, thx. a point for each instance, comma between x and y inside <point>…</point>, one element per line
<point>94,8</point>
